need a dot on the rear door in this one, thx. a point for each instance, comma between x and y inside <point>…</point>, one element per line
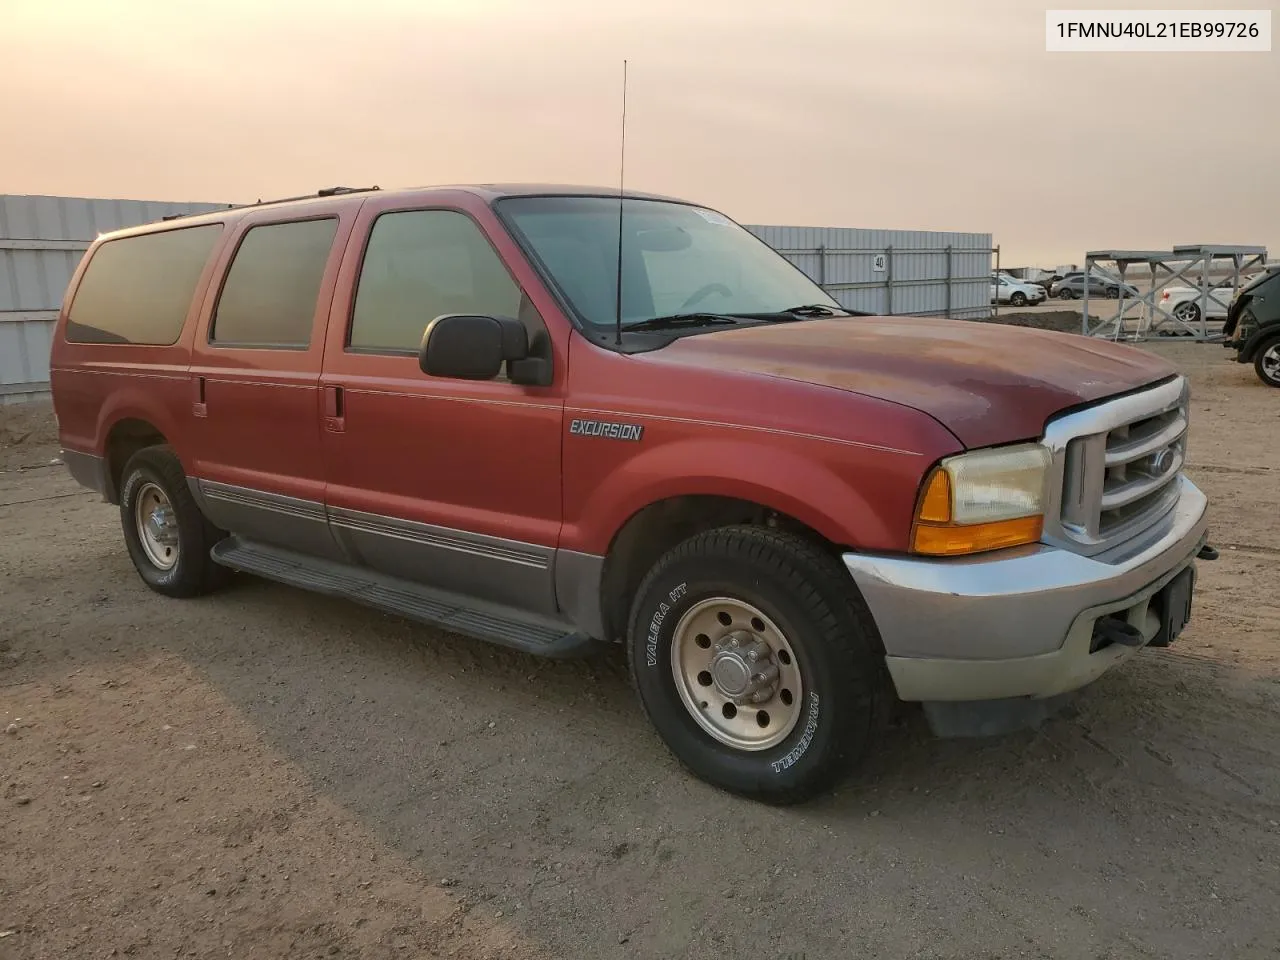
<point>255,372</point>
<point>453,483</point>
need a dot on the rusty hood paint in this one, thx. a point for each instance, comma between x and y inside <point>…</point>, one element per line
<point>987,383</point>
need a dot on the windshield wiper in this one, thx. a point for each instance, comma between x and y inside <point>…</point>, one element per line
<point>812,310</point>
<point>806,311</point>
<point>677,320</point>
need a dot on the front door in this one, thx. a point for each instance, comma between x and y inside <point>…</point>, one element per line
<point>255,372</point>
<point>451,483</point>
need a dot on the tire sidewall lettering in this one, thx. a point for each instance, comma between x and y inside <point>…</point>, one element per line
<point>676,594</point>
<point>130,487</point>
<point>806,738</point>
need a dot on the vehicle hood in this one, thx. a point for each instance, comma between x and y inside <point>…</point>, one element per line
<point>987,383</point>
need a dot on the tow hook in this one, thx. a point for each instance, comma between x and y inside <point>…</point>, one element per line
<point>1109,630</point>
<point>1207,553</point>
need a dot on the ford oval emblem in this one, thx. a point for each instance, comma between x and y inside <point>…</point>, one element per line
<point>1162,461</point>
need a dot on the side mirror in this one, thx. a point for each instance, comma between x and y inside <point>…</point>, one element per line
<point>471,347</point>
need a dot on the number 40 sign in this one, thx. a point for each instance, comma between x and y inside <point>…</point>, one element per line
<point>879,262</point>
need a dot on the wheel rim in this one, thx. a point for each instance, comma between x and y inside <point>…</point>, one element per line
<point>157,526</point>
<point>736,673</point>
<point>1187,312</point>
<point>1019,300</point>
<point>1271,363</point>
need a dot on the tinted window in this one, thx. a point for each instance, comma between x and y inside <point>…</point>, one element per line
<point>419,265</point>
<point>139,289</point>
<point>269,298</point>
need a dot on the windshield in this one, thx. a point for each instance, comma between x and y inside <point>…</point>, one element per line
<point>676,259</point>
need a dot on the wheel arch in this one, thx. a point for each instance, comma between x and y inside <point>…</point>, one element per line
<point>125,437</point>
<point>657,527</point>
<point>1259,340</point>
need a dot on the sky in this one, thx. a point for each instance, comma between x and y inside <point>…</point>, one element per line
<point>904,114</point>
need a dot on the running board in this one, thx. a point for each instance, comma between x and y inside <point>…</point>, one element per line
<point>370,588</point>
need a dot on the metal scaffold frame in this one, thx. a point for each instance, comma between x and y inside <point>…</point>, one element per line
<point>1188,265</point>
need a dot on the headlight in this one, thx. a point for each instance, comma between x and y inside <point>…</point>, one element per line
<point>982,500</point>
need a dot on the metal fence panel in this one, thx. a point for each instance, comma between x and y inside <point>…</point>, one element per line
<point>41,242</point>
<point>892,271</point>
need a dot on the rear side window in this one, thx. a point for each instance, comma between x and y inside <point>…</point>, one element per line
<point>420,264</point>
<point>269,297</point>
<point>138,289</point>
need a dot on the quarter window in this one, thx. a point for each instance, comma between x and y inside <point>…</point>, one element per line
<point>420,264</point>
<point>269,298</point>
<point>138,289</point>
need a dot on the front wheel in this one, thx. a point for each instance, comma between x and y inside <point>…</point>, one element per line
<point>1066,295</point>
<point>757,662</point>
<point>1019,299</point>
<point>1267,363</point>
<point>167,536</point>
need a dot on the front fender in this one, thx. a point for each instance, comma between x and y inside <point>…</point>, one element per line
<point>817,490</point>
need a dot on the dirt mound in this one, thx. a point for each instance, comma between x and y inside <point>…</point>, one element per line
<point>1061,321</point>
<point>28,434</point>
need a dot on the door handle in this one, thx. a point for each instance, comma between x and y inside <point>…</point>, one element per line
<point>334,408</point>
<point>198,406</point>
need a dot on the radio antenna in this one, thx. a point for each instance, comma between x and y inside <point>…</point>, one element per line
<point>622,179</point>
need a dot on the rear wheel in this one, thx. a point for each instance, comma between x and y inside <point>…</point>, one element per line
<point>757,662</point>
<point>1267,362</point>
<point>1187,312</point>
<point>167,536</point>
<point>1065,294</point>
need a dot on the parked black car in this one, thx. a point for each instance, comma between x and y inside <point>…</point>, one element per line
<point>1252,329</point>
<point>1071,287</point>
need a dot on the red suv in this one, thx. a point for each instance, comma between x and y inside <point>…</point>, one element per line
<point>551,417</point>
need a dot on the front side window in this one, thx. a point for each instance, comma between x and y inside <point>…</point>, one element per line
<point>421,264</point>
<point>138,289</point>
<point>676,259</point>
<point>269,298</point>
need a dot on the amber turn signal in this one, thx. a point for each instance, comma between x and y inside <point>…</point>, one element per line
<point>935,505</point>
<point>952,540</point>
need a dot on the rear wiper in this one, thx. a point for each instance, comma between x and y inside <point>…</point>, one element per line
<point>681,320</point>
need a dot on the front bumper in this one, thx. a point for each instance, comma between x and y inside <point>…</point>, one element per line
<point>1020,622</point>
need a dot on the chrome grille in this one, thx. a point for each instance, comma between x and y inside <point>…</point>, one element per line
<point>1116,466</point>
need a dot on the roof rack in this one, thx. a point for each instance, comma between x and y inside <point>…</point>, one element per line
<point>324,192</point>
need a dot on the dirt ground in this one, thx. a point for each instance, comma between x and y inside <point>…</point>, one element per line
<point>267,773</point>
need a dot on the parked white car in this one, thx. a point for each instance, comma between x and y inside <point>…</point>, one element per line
<point>1005,289</point>
<point>1184,302</point>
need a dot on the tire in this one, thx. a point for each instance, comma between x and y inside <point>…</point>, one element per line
<point>1113,293</point>
<point>1266,362</point>
<point>1187,312</point>
<point>800,603</point>
<point>153,484</point>
<point>1019,299</point>
<point>1065,294</point>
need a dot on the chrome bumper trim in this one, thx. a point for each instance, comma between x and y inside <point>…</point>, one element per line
<point>1019,604</point>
